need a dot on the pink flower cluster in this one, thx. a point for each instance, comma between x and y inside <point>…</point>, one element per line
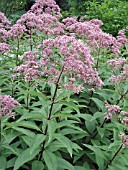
<point>7,104</point>
<point>30,21</point>
<point>124,139</point>
<point>112,110</point>
<point>91,31</point>
<point>4,47</point>
<point>51,25</point>
<point>123,76</point>
<point>30,68</point>
<point>120,42</point>
<point>125,121</point>
<point>74,57</point>
<point>69,21</point>
<point>3,35</point>
<point>96,38</point>
<point>116,63</point>
<point>47,6</point>
<point>45,23</point>
<point>17,30</point>
<point>29,56</point>
<point>4,26</point>
<point>4,22</point>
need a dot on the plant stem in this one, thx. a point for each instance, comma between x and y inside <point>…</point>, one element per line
<point>31,40</point>
<point>110,162</point>
<point>122,96</point>
<point>90,97</point>
<point>18,47</point>
<point>97,63</point>
<point>27,98</point>
<point>97,131</point>
<point>50,113</point>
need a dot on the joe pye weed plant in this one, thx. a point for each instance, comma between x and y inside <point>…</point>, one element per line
<point>64,93</point>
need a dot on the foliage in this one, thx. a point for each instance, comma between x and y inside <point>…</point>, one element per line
<point>112,13</point>
<point>63,93</point>
<point>14,9</point>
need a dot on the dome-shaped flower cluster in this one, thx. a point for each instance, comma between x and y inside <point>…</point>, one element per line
<point>7,104</point>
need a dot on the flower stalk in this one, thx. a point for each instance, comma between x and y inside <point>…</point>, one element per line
<point>50,112</point>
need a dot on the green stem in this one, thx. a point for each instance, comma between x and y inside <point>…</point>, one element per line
<point>18,47</point>
<point>110,162</point>
<point>31,40</point>
<point>50,113</point>
<point>95,134</point>
<point>27,98</point>
<point>90,97</point>
<point>122,96</point>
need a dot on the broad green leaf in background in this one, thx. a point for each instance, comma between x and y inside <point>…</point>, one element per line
<point>51,129</point>
<point>62,163</point>
<point>71,105</point>
<point>31,116</point>
<point>24,157</point>
<point>36,143</point>
<point>26,124</point>
<point>50,160</point>
<point>65,141</point>
<point>14,150</point>
<point>11,162</point>
<point>25,131</point>
<point>37,165</point>
<point>99,103</point>
<point>3,163</point>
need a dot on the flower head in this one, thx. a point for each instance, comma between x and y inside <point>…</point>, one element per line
<point>7,104</point>
<point>74,56</point>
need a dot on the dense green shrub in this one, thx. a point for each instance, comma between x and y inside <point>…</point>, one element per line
<point>114,14</point>
<point>14,9</point>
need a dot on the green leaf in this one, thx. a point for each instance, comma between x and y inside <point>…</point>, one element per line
<point>66,115</point>
<point>90,126</point>
<point>98,115</point>
<point>33,93</point>
<point>11,162</point>
<point>99,103</point>
<point>55,145</point>
<point>14,150</point>
<point>53,86</point>
<point>71,105</point>
<point>87,117</point>
<point>66,123</point>
<point>62,163</point>
<point>80,168</point>
<point>27,124</point>
<point>10,137</point>
<point>101,131</point>
<point>25,131</point>
<point>3,163</point>
<point>65,141</point>
<point>31,116</point>
<point>51,129</point>
<point>50,160</point>
<point>36,143</point>
<point>37,165</point>
<point>56,108</point>
<point>79,129</point>
<point>78,156</point>
<point>99,154</point>
<point>27,140</point>
<point>24,157</point>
